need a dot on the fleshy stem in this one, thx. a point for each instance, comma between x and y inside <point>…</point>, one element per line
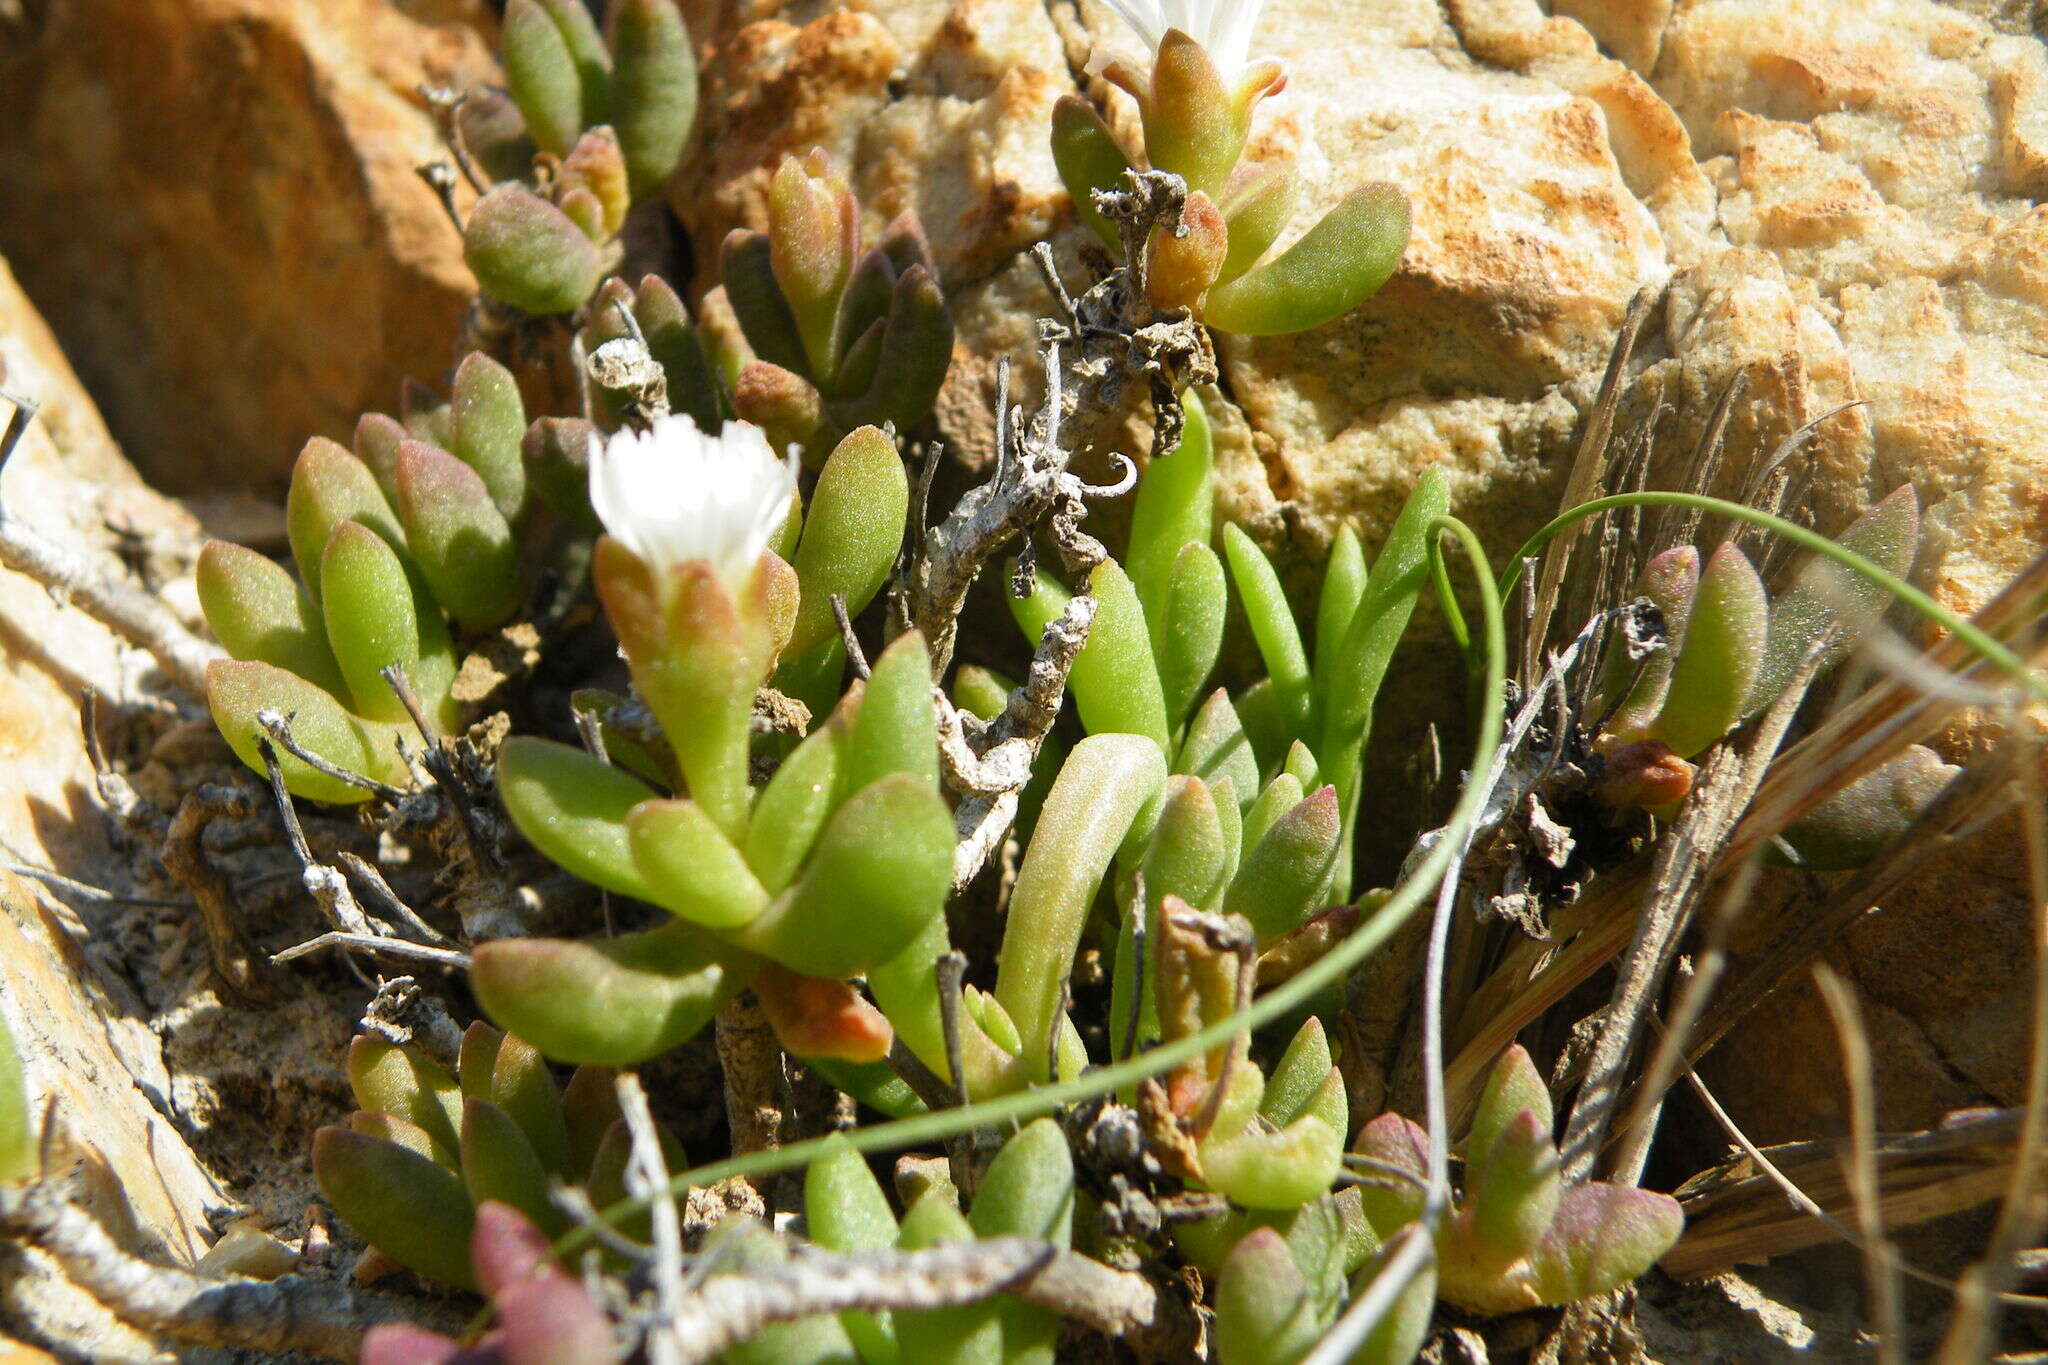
<point>1025,1105</point>
<point>1806,539</point>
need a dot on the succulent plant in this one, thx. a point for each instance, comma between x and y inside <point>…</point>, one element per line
<point>834,865</point>
<point>1518,1236</point>
<point>426,1151</point>
<point>593,123</point>
<point>841,338</point>
<point>18,1160</point>
<point>1729,651</point>
<point>1196,107</point>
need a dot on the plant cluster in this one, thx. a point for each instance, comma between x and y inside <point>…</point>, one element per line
<point>1164,960</point>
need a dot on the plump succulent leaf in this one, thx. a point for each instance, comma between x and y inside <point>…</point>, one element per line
<point>1114,681</point>
<point>257,612</point>
<point>414,1211</point>
<point>1089,159</point>
<point>237,690</point>
<point>528,253</point>
<point>1603,1237</point>
<point>880,872</point>
<point>1265,1312</point>
<point>653,88</point>
<point>461,542</point>
<point>612,1002</point>
<point>572,806</point>
<point>895,731</point>
<point>1286,874</point>
<point>1827,597</point>
<point>1512,1085</point>
<point>852,531</point>
<point>542,75</point>
<point>1512,1192</point>
<point>690,864</point>
<point>1272,623</point>
<point>1724,648</point>
<point>330,486</point>
<point>1336,265</point>
<point>1190,637</point>
<point>490,422</point>
<point>499,1163</point>
<point>1860,821</point>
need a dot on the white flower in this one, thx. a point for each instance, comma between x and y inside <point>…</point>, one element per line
<point>676,494</point>
<point>1222,27</point>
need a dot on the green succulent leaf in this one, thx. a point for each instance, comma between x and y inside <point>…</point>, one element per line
<point>1105,797</point>
<point>237,690</point>
<point>528,253</point>
<point>1114,681</point>
<point>1828,598</point>
<point>879,874</point>
<point>1089,159</point>
<point>586,47</point>
<point>1671,580</point>
<point>1336,265</point>
<point>1513,1085</point>
<point>1265,1311</point>
<point>970,1335</point>
<point>852,532</point>
<point>1604,1236</point>
<point>845,1210</point>
<point>1512,1192</point>
<point>1300,1083</point>
<point>1258,206</point>
<point>1272,622</point>
<point>409,1208</point>
<point>792,808</point>
<point>258,613</point>
<point>1215,749</point>
<point>746,266</point>
<point>1860,821</point>
<point>406,1082</point>
<point>330,486</point>
<point>895,730</point>
<point>542,75</point>
<point>653,88</point>
<point>1724,648</point>
<point>1189,638</point>
<point>498,1162</point>
<point>572,806</point>
<point>690,864</point>
<point>490,423</point>
<point>612,1002</point>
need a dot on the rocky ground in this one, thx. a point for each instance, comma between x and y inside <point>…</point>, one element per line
<point>213,204</point>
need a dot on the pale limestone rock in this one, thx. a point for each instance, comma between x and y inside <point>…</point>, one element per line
<point>84,1038</point>
<point>216,205</point>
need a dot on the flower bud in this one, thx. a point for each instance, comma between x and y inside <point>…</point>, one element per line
<point>597,165</point>
<point>1182,261</point>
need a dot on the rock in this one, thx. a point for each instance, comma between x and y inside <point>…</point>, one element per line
<point>215,203</point>
<point>65,986</point>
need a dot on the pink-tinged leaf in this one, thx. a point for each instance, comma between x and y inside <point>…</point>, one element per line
<point>1603,1236</point>
<point>257,612</point>
<point>401,1343</point>
<point>1513,1191</point>
<point>1670,580</point>
<point>1512,1085</point>
<point>528,253</point>
<point>1390,1202</point>
<point>506,1247</point>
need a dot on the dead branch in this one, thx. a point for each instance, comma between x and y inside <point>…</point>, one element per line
<point>284,1315</point>
<point>647,1175</point>
<point>728,1309</point>
<point>240,967</point>
<point>99,588</point>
